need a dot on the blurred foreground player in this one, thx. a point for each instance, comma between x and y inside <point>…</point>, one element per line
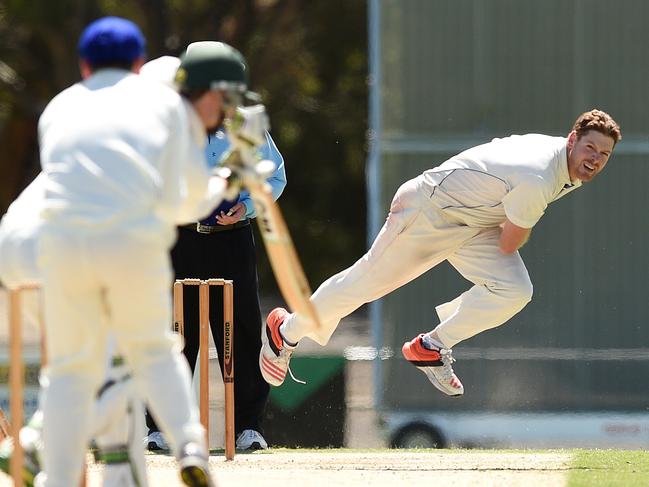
<point>124,162</point>
<point>117,413</point>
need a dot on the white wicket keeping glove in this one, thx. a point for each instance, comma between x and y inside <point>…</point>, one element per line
<point>233,180</point>
<point>241,165</point>
<point>247,132</point>
<point>238,174</point>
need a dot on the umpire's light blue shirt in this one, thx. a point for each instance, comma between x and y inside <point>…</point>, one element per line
<point>218,144</point>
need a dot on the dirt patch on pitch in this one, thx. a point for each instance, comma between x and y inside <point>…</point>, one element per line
<point>375,468</point>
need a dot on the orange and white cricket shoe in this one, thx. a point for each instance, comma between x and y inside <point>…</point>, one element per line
<point>436,364</point>
<point>275,354</point>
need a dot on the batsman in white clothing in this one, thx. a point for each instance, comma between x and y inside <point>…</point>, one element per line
<point>474,210</point>
<point>117,414</point>
<point>124,161</point>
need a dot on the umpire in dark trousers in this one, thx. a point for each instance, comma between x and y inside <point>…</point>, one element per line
<point>222,246</point>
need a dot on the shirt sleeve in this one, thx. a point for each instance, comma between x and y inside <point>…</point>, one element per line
<point>525,204</point>
<point>277,180</point>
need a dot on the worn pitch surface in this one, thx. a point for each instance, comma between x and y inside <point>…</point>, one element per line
<point>380,468</point>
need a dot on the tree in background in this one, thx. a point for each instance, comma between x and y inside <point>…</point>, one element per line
<point>307,59</point>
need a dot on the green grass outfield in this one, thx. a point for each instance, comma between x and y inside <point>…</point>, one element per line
<point>603,468</point>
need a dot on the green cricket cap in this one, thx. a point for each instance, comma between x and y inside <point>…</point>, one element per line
<point>212,65</point>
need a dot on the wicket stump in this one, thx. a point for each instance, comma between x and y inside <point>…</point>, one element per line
<point>17,377</point>
<point>228,355</point>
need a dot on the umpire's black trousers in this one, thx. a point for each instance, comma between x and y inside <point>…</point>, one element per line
<point>228,254</point>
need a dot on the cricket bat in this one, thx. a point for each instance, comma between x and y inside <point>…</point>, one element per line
<point>5,428</point>
<point>281,251</point>
<point>246,130</point>
<point>277,240</point>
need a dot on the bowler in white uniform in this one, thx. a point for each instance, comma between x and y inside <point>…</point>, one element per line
<point>475,211</point>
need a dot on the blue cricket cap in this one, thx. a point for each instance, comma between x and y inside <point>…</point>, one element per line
<point>111,40</point>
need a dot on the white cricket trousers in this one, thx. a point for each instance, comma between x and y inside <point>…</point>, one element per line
<point>95,284</point>
<point>417,236</point>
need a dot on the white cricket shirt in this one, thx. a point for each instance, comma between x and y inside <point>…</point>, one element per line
<point>18,231</point>
<point>514,177</point>
<point>120,150</point>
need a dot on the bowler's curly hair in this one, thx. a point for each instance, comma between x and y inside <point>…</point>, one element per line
<point>599,121</point>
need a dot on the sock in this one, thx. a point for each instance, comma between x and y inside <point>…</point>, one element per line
<point>430,343</point>
<point>288,343</point>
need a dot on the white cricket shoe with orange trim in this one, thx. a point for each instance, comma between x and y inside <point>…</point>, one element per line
<point>275,354</point>
<point>436,364</point>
